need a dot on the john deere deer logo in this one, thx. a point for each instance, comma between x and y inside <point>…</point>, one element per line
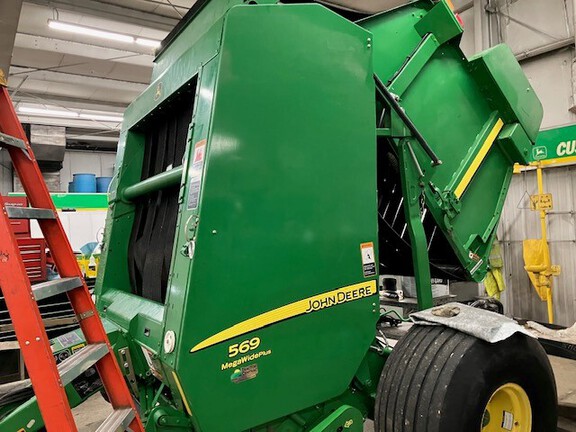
<point>539,153</point>
<point>158,93</point>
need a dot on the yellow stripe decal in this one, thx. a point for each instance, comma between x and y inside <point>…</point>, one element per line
<point>478,159</point>
<point>182,395</point>
<point>301,307</point>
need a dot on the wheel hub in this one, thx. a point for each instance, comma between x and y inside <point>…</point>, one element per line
<point>508,410</point>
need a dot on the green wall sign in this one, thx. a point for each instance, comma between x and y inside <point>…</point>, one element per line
<point>558,143</point>
<point>77,201</point>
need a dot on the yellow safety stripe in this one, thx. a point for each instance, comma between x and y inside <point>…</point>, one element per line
<point>478,159</point>
<point>301,307</point>
<point>182,395</point>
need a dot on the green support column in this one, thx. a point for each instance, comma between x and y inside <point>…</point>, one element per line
<point>411,175</point>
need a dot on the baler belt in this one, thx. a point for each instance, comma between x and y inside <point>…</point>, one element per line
<point>153,232</point>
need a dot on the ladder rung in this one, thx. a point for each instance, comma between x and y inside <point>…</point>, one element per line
<point>29,213</point>
<point>54,287</point>
<point>80,362</point>
<point>120,419</point>
<point>12,141</point>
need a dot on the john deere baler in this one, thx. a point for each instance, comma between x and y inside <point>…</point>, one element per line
<point>283,157</point>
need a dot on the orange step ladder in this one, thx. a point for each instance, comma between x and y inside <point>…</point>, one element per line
<point>49,380</point>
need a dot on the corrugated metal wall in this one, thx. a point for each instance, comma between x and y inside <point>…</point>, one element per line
<point>541,34</point>
<point>519,223</point>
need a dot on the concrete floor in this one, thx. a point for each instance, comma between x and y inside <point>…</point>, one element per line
<point>92,413</point>
<point>565,373</point>
<point>95,410</point>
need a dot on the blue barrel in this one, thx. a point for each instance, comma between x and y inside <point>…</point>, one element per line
<point>71,187</point>
<point>102,184</point>
<point>84,183</point>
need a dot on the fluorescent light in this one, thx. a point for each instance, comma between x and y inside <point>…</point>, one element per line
<point>148,42</point>
<point>106,117</point>
<point>47,112</point>
<point>89,31</point>
<point>103,117</point>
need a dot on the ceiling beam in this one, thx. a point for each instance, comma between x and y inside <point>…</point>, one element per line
<point>72,78</point>
<point>69,122</point>
<point>95,137</point>
<point>136,56</point>
<point>112,12</point>
<point>67,101</point>
<point>174,6</point>
<point>9,18</point>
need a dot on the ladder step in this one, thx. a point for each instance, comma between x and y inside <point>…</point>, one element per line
<point>80,362</point>
<point>29,213</point>
<point>119,420</point>
<point>54,287</point>
<point>12,141</point>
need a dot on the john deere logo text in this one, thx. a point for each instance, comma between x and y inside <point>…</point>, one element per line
<point>300,307</point>
<point>338,297</point>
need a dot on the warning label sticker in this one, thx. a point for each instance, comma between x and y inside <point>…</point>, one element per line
<point>368,259</point>
<point>507,421</point>
<point>196,174</point>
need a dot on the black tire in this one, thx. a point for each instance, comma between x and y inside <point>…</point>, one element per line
<point>441,380</point>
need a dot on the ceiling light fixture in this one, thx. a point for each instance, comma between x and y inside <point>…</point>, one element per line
<point>89,31</point>
<point>148,42</point>
<point>47,112</point>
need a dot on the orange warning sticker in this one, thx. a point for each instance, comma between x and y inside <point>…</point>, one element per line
<point>368,259</point>
<point>199,151</point>
<point>196,171</point>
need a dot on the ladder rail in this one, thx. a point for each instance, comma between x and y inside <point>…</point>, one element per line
<point>31,333</point>
<point>35,188</point>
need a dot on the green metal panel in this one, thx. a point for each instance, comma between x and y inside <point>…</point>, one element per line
<point>292,121</point>
<point>441,22</point>
<point>113,274</point>
<point>457,105</point>
<point>394,36</point>
<point>509,90</point>
<point>515,143</point>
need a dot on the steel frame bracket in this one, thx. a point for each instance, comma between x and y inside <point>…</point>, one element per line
<point>164,418</point>
<point>413,188</point>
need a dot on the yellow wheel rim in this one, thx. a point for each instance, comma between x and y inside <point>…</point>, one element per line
<point>508,410</point>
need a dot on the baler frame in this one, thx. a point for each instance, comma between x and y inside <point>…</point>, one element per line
<point>216,71</point>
